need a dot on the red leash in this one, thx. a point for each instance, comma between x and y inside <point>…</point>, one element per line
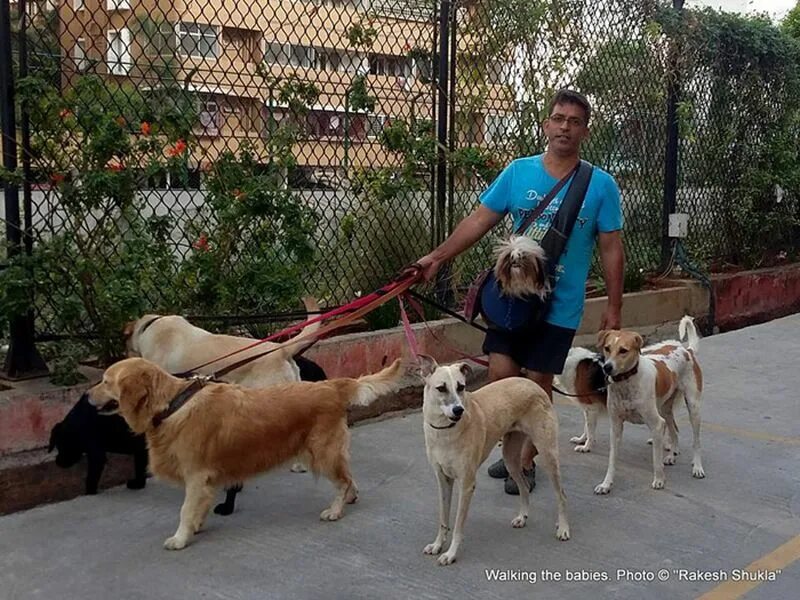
<point>356,309</point>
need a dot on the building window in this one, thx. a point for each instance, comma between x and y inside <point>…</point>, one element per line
<point>302,56</point>
<point>117,4</point>
<point>375,125</point>
<point>331,124</point>
<point>79,55</point>
<point>118,55</point>
<point>209,119</point>
<point>392,66</point>
<point>160,39</point>
<point>277,53</point>
<point>241,44</point>
<point>499,128</point>
<point>198,40</point>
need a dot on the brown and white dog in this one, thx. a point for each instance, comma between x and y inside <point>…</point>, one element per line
<point>643,386</point>
<point>583,379</point>
<point>520,267</point>
<point>227,433</point>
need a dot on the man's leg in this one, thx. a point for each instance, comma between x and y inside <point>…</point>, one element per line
<point>500,367</point>
<point>545,380</point>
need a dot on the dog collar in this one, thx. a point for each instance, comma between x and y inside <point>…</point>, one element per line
<point>452,424</point>
<point>625,375</point>
<point>150,322</point>
<point>182,398</point>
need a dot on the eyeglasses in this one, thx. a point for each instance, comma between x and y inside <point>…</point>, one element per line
<point>559,119</point>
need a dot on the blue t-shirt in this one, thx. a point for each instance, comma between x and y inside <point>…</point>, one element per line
<point>519,189</point>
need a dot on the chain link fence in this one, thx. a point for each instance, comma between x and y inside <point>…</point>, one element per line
<point>220,160</point>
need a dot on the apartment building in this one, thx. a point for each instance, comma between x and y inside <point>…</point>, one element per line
<point>214,48</point>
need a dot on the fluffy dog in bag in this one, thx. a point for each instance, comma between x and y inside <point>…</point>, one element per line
<point>521,268</point>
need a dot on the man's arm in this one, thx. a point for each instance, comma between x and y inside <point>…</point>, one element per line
<point>469,230</point>
<point>612,255</point>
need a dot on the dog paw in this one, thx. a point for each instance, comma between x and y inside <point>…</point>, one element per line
<point>447,559</point>
<point>519,521</point>
<point>298,468</point>
<point>175,543</point>
<point>223,509</point>
<point>669,459</point>
<point>658,484</point>
<point>583,448</point>
<point>330,514</point>
<point>136,484</point>
<point>578,439</point>
<point>602,489</point>
<point>562,533</point>
<point>434,548</point>
<point>698,472</point>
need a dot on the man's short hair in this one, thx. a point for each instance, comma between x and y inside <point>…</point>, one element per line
<point>567,96</point>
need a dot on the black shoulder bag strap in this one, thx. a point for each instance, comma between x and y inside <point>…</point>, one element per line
<point>546,201</point>
<point>555,240</point>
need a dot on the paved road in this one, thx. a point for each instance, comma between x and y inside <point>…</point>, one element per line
<point>274,546</point>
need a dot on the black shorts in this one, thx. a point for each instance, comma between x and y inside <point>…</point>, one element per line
<point>543,348</point>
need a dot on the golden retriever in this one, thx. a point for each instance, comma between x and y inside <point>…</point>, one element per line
<point>227,433</point>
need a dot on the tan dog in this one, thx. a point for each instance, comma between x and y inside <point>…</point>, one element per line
<point>228,433</point>
<point>176,345</point>
<point>643,386</point>
<point>461,428</point>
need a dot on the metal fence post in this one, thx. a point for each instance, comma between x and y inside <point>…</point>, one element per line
<point>22,360</point>
<point>671,154</point>
<point>442,121</point>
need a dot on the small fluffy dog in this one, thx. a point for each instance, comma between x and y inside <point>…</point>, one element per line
<point>461,428</point>
<point>643,386</point>
<point>227,433</point>
<point>83,431</point>
<point>521,268</point>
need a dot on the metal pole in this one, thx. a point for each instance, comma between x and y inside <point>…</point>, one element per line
<point>22,360</point>
<point>671,155</point>
<point>442,88</point>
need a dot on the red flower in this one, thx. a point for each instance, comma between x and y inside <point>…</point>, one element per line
<point>65,114</point>
<point>178,149</point>
<point>407,48</point>
<point>57,178</point>
<point>114,165</point>
<point>145,128</point>
<point>201,243</point>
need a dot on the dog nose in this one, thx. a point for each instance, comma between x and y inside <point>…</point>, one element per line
<point>458,411</point>
<point>607,368</point>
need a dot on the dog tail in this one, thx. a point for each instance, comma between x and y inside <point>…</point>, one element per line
<point>686,326</point>
<point>371,387</point>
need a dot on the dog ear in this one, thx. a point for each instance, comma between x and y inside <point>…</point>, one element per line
<point>465,369</point>
<point>427,365</point>
<point>601,338</point>
<point>128,330</point>
<point>638,340</point>
<point>54,433</point>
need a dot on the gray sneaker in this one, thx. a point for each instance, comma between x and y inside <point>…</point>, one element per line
<point>498,470</point>
<point>529,475</point>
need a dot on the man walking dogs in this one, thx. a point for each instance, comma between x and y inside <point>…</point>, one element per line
<point>525,183</point>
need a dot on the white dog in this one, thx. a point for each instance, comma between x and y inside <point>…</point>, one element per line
<point>461,428</point>
<point>644,384</point>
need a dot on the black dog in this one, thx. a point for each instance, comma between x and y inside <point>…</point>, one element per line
<point>309,371</point>
<point>83,431</point>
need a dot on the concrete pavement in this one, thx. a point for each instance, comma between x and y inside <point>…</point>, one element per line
<point>274,546</point>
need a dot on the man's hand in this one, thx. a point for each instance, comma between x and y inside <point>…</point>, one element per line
<point>429,266</point>
<point>611,319</point>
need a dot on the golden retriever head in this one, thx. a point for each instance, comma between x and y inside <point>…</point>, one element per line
<point>135,388</point>
<point>620,350</point>
<point>521,268</point>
